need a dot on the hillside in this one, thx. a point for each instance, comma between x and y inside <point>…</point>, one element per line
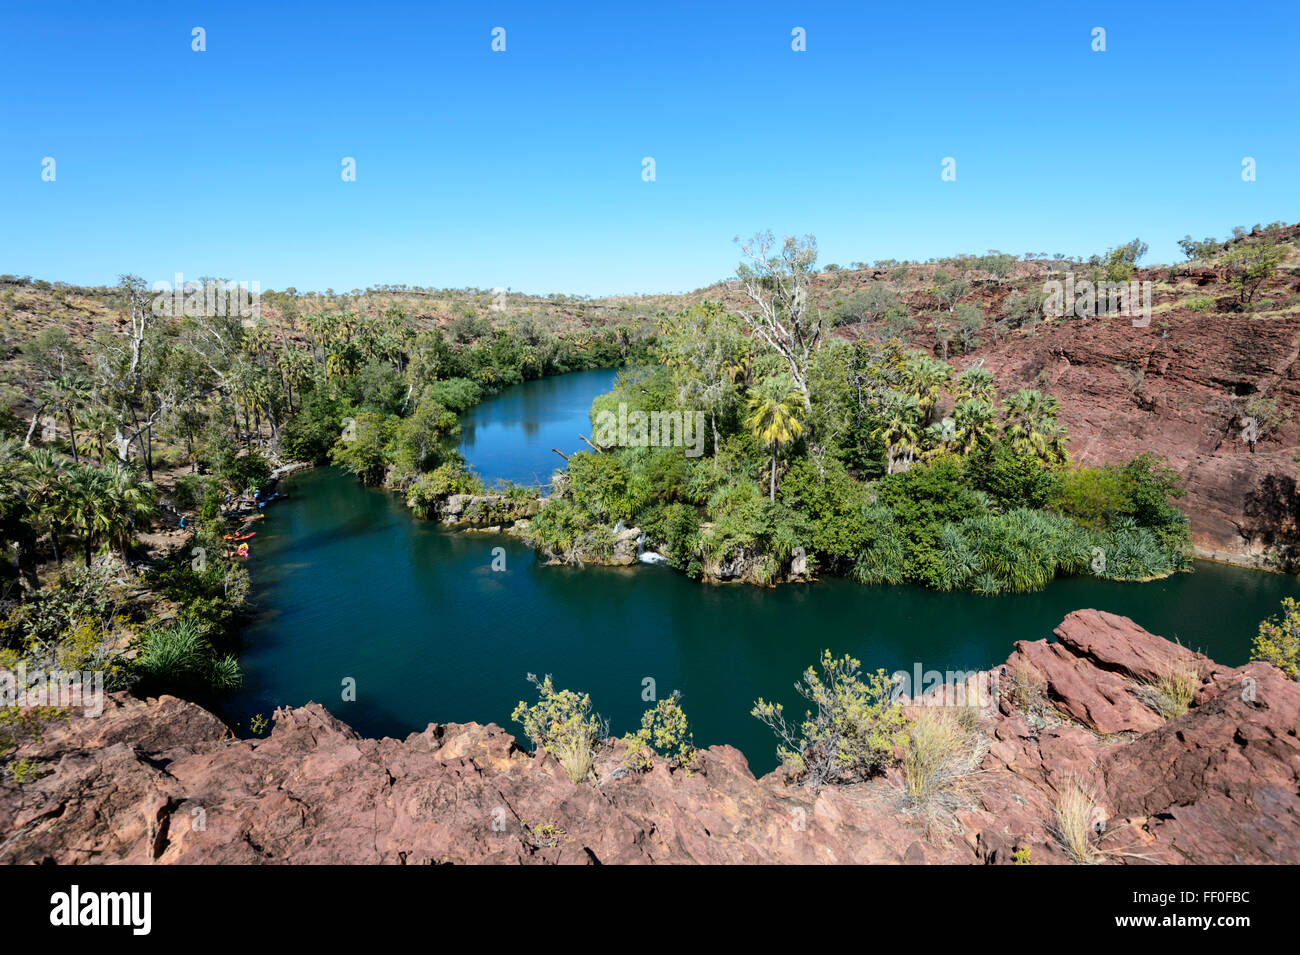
<point>1207,372</point>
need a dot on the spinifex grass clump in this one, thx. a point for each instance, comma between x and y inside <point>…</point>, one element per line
<point>1075,812</point>
<point>851,734</point>
<point>563,724</point>
<point>1176,690</point>
<point>944,746</point>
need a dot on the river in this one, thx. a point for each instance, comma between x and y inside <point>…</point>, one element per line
<point>349,585</point>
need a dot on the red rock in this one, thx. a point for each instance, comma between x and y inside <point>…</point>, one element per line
<point>163,781</point>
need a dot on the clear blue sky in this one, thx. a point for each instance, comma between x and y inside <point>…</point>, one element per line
<point>523,169</point>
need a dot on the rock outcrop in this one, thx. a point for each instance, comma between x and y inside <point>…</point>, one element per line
<point>1181,387</point>
<point>485,511</point>
<point>163,781</point>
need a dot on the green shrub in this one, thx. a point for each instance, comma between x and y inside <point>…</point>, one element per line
<point>180,659</point>
<point>563,724</point>
<point>665,730</point>
<point>852,734</point>
<point>1278,640</point>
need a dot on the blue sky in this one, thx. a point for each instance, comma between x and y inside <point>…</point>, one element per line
<point>524,168</point>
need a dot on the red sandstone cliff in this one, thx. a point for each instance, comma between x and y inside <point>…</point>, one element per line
<point>1219,784</point>
<point>1179,388</point>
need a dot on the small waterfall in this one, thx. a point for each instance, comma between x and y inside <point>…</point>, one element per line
<point>648,556</point>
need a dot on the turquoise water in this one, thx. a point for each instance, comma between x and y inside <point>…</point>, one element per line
<point>350,585</point>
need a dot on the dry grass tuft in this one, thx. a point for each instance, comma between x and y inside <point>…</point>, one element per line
<point>944,750</point>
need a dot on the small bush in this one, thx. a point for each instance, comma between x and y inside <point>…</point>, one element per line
<point>852,734</point>
<point>1278,640</point>
<point>563,724</point>
<point>665,730</point>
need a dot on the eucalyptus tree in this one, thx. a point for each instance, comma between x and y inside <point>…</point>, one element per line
<point>775,279</point>
<point>705,347</point>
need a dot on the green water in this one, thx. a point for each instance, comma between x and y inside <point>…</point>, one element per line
<point>349,584</point>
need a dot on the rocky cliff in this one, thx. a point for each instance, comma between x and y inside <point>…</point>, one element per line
<point>163,781</point>
<point>1180,387</point>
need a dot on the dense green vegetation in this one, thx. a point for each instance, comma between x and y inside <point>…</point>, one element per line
<point>846,428</point>
<point>184,416</point>
<point>860,456</point>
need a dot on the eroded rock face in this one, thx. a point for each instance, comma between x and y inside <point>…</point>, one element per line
<point>163,781</point>
<point>1179,387</point>
<point>471,511</point>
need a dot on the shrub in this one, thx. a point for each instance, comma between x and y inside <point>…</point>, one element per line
<point>180,659</point>
<point>563,724</point>
<point>1248,266</point>
<point>853,732</point>
<point>363,449</point>
<point>665,730</point>
<point>312,431</point>
<point>1278,640</point>
<point>455,394</point>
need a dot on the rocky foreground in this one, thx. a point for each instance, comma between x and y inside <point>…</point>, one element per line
<point>163,781</point>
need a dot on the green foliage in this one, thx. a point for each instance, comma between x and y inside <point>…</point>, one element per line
<point>1206,248</point>
<point>665,730</point>
<point>311,432</point>
<point>429,490</point>
<point>238,472</point>
<point>25,724</point>
<point>455,394</point>
<point>1118,263</point>
<point>563,724</point>
<point>851,733</point>
<point>1011,478</point>
<point>604,484</point>
<point>180,659</point>
<point>1249,265</point>
<point>1278,640</point>
<point>363,449</point>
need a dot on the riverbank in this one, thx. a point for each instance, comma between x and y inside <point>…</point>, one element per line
<point>315,791</point>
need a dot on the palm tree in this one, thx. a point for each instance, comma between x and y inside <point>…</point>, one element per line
<point>87,498</point>
<point>1031,427</point>
<point>900,428</point>
<point>976,383</point>
<point>46,487</point>
<point>976,421</point>
<point>67,394</point>
<point>925,377</point>
<point>130,504</point>
<point>774,410</point>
